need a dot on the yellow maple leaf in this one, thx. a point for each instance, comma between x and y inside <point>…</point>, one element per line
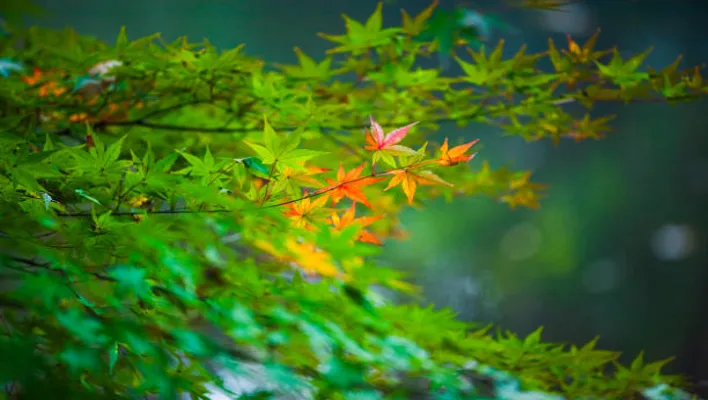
<point>409,181</point>
<point>311,259</point>
<point>138,201</point>
<point>304,176</point>
<point>305,256</point>
<point>304,212</point>
<point>525,197</point>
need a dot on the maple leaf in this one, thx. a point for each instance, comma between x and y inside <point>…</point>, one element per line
<point>360,37</point>
<point>293,179</point>
<point>587,128</point>
<point>47,88</point>
<point>304,175</point>
<point>118,111</point>
<point>34,78</point>
<point>524,193</point>
<point>112,112</point>
<point>349,184</point>
<point>414,26</point>
<point>303,212</point>
<point>456,154</point>
<point>386,145</point>
<point>585,53</point>
<point>525,197</point>
<point>348,219</point>
<point>303,255</point>
<point>409,181</point>
<point>80,117</point>
<point>311,259</point>
<point>284,152</point>
<point>138,201</point>
<point>308,68</point>
<point>520,180</point>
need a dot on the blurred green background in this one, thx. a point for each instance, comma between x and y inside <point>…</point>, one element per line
<point>619,246</point>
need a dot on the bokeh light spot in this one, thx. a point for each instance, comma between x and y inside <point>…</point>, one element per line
<point>673,242</point>
<point>601,276</point>
<point>521,242</point>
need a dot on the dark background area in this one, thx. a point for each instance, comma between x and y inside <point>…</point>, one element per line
<point>619,246</point>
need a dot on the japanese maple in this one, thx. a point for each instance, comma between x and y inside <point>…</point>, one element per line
<point>349,184</point>
<point>157,225</point>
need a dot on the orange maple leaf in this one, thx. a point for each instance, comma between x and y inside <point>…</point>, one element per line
<point>303,212</point>
<point>47,88</point>
<point>112,112</point>
<point>349,184</point>
<point>409,181</point>
<point>456,154</point>
<point>377,141</point>
<point>81,117</point>
<point>348,219</point>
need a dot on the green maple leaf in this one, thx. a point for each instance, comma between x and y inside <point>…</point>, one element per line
<point>401,74</point>
<point>360,37</point>
<point>485,69</point>
<point>308,68</point>
<point>414,26</point>
<point>284,152</point>
<point>625,73</point>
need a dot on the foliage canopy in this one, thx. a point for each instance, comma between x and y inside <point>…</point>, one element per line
<point>156,198</point>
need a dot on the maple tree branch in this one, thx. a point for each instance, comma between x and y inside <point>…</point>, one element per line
<point>219,211</point>
<point>480,111</point>
<point>329,189</point>
<point>102,277</point>
<point>237,352</point>
<point>139,213</point>
<point>477,114</point>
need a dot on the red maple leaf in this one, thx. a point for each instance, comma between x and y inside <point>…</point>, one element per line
<point>378,141</point>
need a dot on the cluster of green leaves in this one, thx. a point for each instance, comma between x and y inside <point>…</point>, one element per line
<point>150,214</point>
